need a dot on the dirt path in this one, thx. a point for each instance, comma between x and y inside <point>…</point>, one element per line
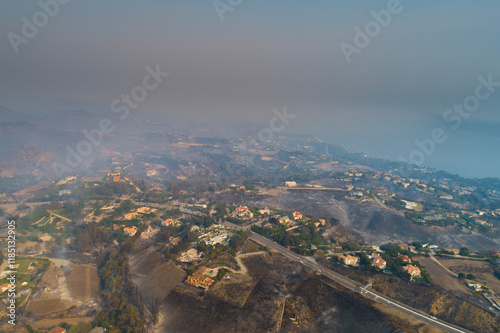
<point>446,269</point>
<point>442,276</point>
<point>244,269</point>
<point>62,217</point>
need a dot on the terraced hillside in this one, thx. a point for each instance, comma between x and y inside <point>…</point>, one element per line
<point>154,277</point>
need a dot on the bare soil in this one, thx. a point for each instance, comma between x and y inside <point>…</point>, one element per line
<point>83,282</point>
<point>482,270</point>
<point>441,277</point>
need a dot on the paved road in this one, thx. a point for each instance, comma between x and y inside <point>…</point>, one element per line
<point>357,287</point>
<point>314,189</point>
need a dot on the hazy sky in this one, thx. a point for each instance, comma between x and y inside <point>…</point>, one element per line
<point>271,54</point>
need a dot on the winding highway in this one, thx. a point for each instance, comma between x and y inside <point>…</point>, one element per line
<point>357,287</point>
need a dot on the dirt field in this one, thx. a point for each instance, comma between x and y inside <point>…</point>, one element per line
<point>49,301</point>
<point>65,288</point>
<point>441,277</point>
<point>30,192</point>
<point>46,305</point>
<point>234,290</point>
<point>482,270</point>
<point>250,247</point>
<point>83,282</point>
<point>48,323</point>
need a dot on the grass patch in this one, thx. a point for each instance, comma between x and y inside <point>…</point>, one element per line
<point>24,264</point>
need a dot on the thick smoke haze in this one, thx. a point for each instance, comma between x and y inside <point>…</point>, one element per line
<point>268,55</point>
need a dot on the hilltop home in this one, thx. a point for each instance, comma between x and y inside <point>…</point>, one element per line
<point>404,258</point>
<point>284,220</point>
<point>199,280</point>
<point>475,286</point>
<point>130,231</point>
<point>454,251</point>
<point>243,212</point>
<point>265,211</point>
<point>414,271</point>
<point>131,216</point>
<point>348,260</point>
<point>170,221</point>
<point>377,261</point>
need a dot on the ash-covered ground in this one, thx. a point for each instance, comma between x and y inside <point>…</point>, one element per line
<point>375,225</point>
<point>277,296</point>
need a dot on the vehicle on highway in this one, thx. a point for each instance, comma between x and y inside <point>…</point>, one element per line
<point>432,317</point>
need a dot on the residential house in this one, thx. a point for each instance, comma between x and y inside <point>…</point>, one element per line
<point>265,211</point>
<point>414,271</point>
<point>131,216</point>
<point>143,210</point>
<point>131,231</point>
<point>172,241</point>
<point>64,192</point>
<point>297,215</point>
<point>170,221</point>
<point>199,280</point>
<point>284,220</point>
<point>403,258</point>
<point>243,212</point>
<point>454,251</point>
<point>348,260</point>
<point>291,184</point>
<point>378,261</point>
<point>57,329</point>
<point>475,286</point>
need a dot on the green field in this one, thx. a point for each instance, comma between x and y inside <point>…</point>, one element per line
<point>24,264</point>
<point>44,221</point>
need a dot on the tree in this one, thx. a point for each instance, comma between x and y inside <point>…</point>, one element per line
<point>364,260</point>
<point>471,276</point>
<point>22,207</point>
<point>54,205</point>
<point>464,252</point>
<point>461,276</point>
